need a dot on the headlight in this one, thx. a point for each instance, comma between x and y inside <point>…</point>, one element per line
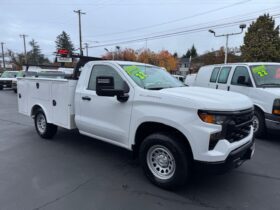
<point>276,107</point>
<point>212,118</point>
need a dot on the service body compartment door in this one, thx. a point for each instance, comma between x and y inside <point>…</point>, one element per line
<point>22,96</point>
<point>62,102</point>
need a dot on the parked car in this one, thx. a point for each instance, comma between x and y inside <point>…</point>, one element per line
<point>179,77</point>
<point>6,79</point>
<point>258,81</point>
<point>142,108</point>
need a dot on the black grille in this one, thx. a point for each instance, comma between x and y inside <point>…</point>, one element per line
<point>238,126</point>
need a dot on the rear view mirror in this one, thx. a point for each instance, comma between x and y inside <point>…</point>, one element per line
<point>105,87</point>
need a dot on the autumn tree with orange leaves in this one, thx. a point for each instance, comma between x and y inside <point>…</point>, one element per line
<point>163,58</point>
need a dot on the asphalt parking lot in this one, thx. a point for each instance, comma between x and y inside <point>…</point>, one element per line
<point>76,172</point>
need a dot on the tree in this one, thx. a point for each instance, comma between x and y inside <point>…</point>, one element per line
<point>34,55</point>
<point>165,59</point>
<point>262,41</point>
<point>191,53</point>
<point>63,41</point>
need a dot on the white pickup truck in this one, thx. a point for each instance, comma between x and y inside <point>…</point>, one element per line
<point>144,109</point>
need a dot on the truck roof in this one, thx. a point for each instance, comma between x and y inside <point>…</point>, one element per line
<point>246,63</point>
<point>122,62</point>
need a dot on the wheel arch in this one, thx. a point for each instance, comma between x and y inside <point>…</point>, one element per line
<point>36,108</point>
<point>147,128</point>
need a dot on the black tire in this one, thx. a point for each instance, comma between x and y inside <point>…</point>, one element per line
<point>259,124</point>
<point>181,162</point>
<point>46,131</point>
<point>1,87</point>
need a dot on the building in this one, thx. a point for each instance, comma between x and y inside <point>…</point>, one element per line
<point>184,65</point>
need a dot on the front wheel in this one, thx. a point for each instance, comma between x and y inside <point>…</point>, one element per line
<point>259,124</point>
<point>43,128</point>
<point>164,160</point>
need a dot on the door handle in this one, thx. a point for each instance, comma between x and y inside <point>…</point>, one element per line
<point>86,98</point>
<point>217,86</point>
<point>228,88</point>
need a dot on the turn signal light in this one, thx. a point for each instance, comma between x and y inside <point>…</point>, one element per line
<point>208,118</point>
<point>276,111</point>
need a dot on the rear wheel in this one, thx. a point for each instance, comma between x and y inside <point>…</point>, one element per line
<point>259,124</point>
<point>164,160</point>
<point>43,128</point>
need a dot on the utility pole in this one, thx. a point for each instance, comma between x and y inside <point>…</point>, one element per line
<point>86,46</point>
<point>4,66</point>
<point>79,12</point>
<point>24,45</point>
<point>242,27</point>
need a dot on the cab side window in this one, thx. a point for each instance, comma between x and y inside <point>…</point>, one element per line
<point>241,71</point>
<point>103,70</point>
<point>214,74</point>
<point>223,76</point>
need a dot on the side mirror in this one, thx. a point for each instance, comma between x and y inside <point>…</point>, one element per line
<point>105,86</point>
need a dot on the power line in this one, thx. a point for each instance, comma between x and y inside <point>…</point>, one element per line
<point>179,19</point>
<point>188,27</point>
<point>178,33</point>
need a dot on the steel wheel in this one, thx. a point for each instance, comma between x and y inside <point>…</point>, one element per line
<point>161,162</point>
<point>256,123</point>
<point>41,123</point>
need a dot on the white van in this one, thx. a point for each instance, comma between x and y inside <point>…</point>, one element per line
<point>258,81</point>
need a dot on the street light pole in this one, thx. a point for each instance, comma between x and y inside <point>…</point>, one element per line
<point>4,66</point>
<point>242,27</point>
<point>79,12</point>
<point>112,52</point>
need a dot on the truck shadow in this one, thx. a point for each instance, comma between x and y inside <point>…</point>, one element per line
<point>272,136</point>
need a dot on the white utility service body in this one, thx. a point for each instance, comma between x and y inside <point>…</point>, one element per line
<point>74,104</point>
<point>261,84</point>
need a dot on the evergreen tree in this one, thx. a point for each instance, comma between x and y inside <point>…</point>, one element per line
<point>63,41</point>
<point>193,52</point>
<point>34,55</point>
<point>262,41</point>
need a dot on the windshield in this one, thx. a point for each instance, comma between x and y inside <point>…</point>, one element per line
<point>266,75</point>
<point>9,74</point>
<point>151,77</point>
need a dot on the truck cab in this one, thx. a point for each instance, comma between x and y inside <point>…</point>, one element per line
<point>142,108</point>
<point>259,81</point>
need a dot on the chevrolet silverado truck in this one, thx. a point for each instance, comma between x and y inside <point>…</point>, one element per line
<point>142,108</point>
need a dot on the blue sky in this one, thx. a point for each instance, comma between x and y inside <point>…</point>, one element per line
<point>113,21</point>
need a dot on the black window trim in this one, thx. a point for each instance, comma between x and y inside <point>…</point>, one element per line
<point>230,67</point>
<point>219,69</point>
<point>107,66</point>
<point>248,74</point>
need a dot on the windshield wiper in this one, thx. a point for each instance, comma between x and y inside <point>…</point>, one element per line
<point>270,84</point>
<point>154,88</point>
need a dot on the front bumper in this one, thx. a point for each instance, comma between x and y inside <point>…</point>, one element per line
<point>234,159</point>
<point>6,84</point>
<point>272,121</point>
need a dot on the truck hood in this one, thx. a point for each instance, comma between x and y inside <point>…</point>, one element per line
<point>8,79</point>
<point>210,99</point>
<point>273,91</point>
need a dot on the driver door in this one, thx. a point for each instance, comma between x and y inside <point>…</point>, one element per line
<point>105,117</point>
